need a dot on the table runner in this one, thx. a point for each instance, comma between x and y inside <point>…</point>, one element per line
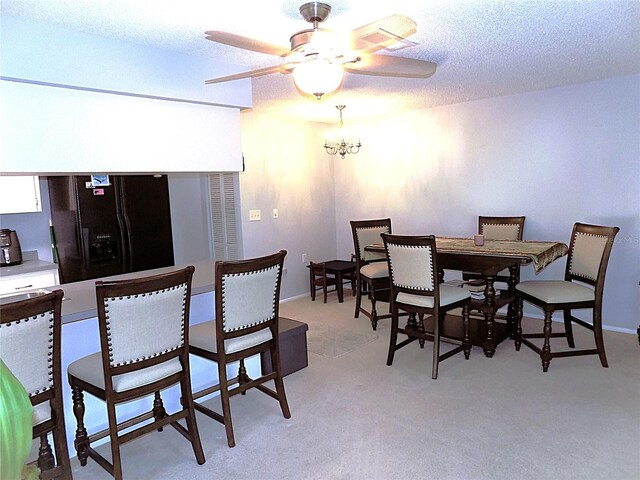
<point>540,253</point>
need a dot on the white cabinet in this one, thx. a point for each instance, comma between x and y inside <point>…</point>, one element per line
<point>28,281</point>
<point>19,194</point>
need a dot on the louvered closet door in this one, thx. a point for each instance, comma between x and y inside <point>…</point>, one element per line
<point>223,190</point>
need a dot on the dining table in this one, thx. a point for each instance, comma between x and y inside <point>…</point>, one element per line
<point>461,253</point>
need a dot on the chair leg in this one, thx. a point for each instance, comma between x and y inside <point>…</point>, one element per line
<point>393,337</point>
<point>568,327</point>
<point>192,426</point>
<point>374,313</point>
<point>466,341</point>
<point>436,344</point>
<point>45,454</point>
<point>158,408</point>
<point>115,444</point>
<point>226,407</point>
<point>358,296</point>
<point>545,355</point>
<point>243,377</point>
<point>60,440</point>
<point>324,290</point>
<point>420,328</point>
<point>279,383</point>
<point>597,331</point>
<point>81,442</point>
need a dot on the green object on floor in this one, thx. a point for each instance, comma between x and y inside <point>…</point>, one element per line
<point>15,425</point>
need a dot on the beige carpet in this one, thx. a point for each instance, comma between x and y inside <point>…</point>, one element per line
<point>353,417</point>
<point>334,340</point>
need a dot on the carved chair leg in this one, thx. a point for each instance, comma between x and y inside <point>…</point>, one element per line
<point>545,355</point>
<point>45,454</point>
<point>374,313</point>
<point>82,438</point>
<point>420,328</point>
<point>243,377</point>
<point>158,408</point>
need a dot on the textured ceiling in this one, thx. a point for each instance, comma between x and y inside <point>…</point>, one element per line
<point>482,48</point>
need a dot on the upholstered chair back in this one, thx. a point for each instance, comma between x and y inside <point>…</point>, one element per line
<point>411,266</point>
<point>367,232</point>
<point>495,231</point>
<point>501,228</point>
<point>589,252</point>
<point>27,347</point>
<point>146,324</point>
<point>249,298</point>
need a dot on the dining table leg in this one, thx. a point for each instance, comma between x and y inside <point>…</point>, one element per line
<point>489,344</point>
<point>514,279</point>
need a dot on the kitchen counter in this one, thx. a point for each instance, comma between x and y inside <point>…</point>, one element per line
<point>80,297</point>
<point>27,266</point>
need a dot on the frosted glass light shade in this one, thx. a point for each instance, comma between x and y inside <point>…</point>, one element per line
<point>318,77</point>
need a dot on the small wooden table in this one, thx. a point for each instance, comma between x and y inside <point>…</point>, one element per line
<point>339,268</point>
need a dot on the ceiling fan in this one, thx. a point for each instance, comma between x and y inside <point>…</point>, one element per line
<point>318,57</point>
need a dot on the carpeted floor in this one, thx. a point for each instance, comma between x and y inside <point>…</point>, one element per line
<point>353,417</point>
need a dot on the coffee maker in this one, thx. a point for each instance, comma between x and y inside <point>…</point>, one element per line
<point>10,252</point>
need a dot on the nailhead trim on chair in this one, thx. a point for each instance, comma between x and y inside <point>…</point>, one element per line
<point>578,274</point>
<point>155,292</point>
<point>254,272</point>
<point>516,225</point>
<point>415,247</point>
<point>49,348</point>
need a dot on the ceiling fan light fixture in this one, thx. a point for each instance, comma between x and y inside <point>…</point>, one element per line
<point>318,77</point>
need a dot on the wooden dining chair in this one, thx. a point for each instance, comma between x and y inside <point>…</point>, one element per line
<point>371,268</point>
<point>30,339</point>
<point>498,228</point>
<point>582,287</point>
<point>319,280</point>
<point>415,289</point>
<point>247,297</point>
<point>144,339</point>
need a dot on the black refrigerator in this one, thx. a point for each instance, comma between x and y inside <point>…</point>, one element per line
<point>103,226</point>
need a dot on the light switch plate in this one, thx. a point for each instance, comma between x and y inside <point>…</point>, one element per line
<point>254,215</point>
<point>275,213</point>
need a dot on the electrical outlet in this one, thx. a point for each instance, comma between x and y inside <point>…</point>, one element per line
<point>254,215</point>
<point>304,258</point>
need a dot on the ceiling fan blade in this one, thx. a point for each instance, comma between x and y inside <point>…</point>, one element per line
<point>246,43</point>
<point>250,74</point>
<point>387,66</point>
<point>382,33</point>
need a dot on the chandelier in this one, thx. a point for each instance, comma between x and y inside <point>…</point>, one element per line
<point>339,144</point>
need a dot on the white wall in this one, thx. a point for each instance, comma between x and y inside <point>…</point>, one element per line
<point>77,102</point>
<point>557,156</point>
<point>287,169</point>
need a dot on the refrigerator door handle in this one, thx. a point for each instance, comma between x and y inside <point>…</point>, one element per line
<point>125,227</point>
